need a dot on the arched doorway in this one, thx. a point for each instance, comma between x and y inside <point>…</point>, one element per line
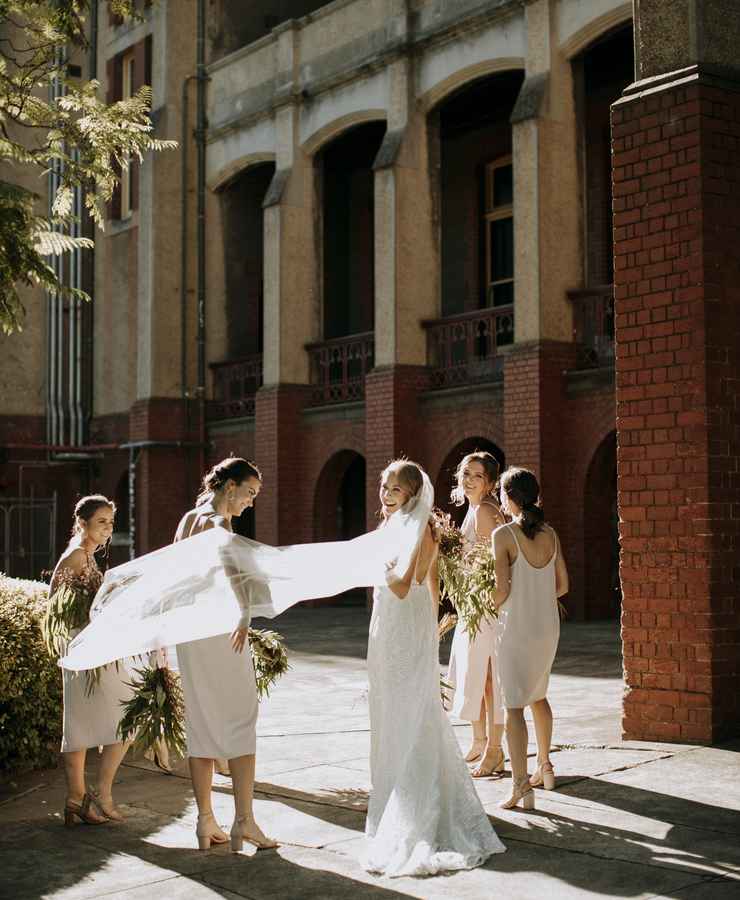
<point>446,477</point>
<point>601,533</point>
<point>339,508</point>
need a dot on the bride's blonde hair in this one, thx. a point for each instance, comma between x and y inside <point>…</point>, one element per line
<point>408,474</point>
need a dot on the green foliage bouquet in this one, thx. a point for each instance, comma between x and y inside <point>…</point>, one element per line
<point>154,715</point>
<point>468,574</point>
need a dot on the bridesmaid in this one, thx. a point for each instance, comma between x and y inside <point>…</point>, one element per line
<point>471,662</point>
<point>90,720</point>
<point>530,576</point>
<point>218,683</point>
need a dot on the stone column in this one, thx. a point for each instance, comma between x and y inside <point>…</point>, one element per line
<point>406,282</point>
<point>291,305</point>
<point>677,291</point>
<point>548,255</point>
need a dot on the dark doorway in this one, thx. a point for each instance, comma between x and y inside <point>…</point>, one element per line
<point>348,204</point>
<point>339,511</point>
<point>601,534</point>
<point>243,224</point>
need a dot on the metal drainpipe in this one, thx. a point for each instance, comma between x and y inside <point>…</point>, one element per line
<point>200,137</point>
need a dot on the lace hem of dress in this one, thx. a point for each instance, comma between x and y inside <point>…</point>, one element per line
<point>424,861</point>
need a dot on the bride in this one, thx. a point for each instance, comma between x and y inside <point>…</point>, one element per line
<point>424,815</point>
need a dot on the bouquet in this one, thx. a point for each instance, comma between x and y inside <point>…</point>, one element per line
<point>468,575</point>
<point>270,658</point>
<point>154,716</point>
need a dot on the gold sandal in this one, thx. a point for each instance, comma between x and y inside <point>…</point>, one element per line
<point>494,767</point>
<point>82,811</point>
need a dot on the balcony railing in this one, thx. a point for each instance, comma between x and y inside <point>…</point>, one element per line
<point>235,384</point>
<point>593,326</point>
<point>339,366</point>
<point>462,349</point>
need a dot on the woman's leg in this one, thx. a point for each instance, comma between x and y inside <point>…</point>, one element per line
<point>74,771</point>
<point>110,760</point>
<point>493,756</point>
<point>516,738</point>
<point>542,715</point>
<point>245,827</point>
<point>201,773</point>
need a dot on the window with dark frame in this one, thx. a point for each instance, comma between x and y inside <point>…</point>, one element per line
<point>499,233</point>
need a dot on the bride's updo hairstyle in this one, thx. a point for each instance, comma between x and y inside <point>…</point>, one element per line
<point>233,468</point>
<point>521,486</point>
<point>490,467</point>
<point>85,509</point>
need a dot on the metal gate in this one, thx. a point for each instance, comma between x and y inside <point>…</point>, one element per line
<point>27,535</point>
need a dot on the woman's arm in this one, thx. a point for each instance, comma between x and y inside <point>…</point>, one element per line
<point>432,581</point>
<point>561,571</point>
<point>400,586</point>
<point>499,541</point>
<point>74,563</point>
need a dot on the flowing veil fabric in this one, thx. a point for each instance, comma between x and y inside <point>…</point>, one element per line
<point>200,587</point>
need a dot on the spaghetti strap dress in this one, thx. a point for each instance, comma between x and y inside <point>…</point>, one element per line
<point>218,685</point>
<point>469,660</point>
<point>527,631</point>
<point>91,714</point>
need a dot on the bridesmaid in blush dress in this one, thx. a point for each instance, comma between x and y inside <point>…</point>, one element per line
<point>217,674</point>
<point>90,717</point>
<point>530,576</point>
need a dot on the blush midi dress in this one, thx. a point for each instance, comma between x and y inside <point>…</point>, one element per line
<point>219,687</point>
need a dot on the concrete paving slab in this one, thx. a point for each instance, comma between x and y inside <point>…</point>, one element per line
<point>707,890</point>
<point>176,888</point>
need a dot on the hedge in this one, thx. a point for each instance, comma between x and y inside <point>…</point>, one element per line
<point>30,682</point>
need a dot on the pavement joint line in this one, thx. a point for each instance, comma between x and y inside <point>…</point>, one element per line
<point>683,887</point>
<point>710,876</point>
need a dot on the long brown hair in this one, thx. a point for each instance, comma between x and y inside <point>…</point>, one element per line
<point>521,486</point>
<point>490,467</point>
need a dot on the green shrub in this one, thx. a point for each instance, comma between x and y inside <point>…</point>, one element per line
<point>30,682</point>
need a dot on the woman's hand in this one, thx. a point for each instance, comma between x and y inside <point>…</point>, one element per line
<point>238,639</point>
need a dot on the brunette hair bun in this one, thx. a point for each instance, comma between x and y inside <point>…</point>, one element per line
<point>233,468</point>
<point>521,486</point>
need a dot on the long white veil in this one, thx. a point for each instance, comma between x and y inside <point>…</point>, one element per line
<point>201,586</point>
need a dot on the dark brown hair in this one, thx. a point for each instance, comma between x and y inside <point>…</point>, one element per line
<point>490,467</point>
<point>233,468</point>
<point>521,486</point>
<point>86,507</point>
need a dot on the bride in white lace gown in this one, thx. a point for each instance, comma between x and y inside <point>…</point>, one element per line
<point>424,814</point>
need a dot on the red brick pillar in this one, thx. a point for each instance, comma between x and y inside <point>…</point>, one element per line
<point>534,398</point>
<point>167,476</point>
<point>676,155</point>
<point>391,422</point>
<point>277,447</point>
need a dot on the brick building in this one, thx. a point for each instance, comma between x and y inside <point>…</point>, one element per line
<point>388,229</point>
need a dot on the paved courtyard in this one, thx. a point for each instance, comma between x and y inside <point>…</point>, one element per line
<point>632,820</point>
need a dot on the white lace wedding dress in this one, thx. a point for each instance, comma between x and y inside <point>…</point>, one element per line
<point>424,814</point>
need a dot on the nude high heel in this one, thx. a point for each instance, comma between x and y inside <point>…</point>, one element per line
<point>476,750</point>
<point>239,834</point>
<point>521,793</point>
<point>494,766</point>
<point>82,811</point>
<point>208,832</point>
<point>544,776</point>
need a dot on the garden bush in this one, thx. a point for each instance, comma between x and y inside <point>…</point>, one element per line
<point>30,682</point>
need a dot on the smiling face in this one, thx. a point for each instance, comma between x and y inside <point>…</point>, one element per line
<point>392,495</point>
<point>474,482</point>
<point>99,527</point>
<point>241,496</point>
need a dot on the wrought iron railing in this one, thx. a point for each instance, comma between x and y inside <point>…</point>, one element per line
<point>339,366</point>
<point>462,349</point>
<point>235,384</point>
<point>593,325</point>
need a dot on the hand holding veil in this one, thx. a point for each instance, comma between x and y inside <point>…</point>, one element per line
<point>213,582</point>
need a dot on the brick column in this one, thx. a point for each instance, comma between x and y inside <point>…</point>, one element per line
<point>277,452</point>
<point>167,477</point>
<point>534,396</point>
<point>391,422</point>
<point>677,289</point>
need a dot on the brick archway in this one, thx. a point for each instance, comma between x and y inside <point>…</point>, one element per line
<point>445,479</point>
<point>601,533</point>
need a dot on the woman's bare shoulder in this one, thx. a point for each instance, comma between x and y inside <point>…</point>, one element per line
<point>75,560</point>
<point>489,516</point>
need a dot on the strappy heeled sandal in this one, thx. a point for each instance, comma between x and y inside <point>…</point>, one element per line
<point>239,835</point>
<point>544,776</point>
<point>82,811</point>
<point>110,813</point>
<point>494,766</point>
<point>521,792</point>
<point>476,750</point>
<point>208,832</point>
